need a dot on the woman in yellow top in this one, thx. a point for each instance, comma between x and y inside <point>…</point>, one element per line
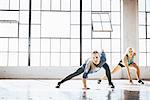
<point>128,62</point>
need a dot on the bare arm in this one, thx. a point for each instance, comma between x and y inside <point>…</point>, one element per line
<point>84,83</point>
<point>85,75</point>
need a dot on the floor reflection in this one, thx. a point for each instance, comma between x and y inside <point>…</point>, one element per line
<point>97,94</point>
<point>45,90</point>
<point>84,96</point>
<point>131,95</point>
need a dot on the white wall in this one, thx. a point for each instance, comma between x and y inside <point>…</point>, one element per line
<point>58,73</point>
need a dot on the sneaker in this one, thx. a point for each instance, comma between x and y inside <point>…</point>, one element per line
<point>99,81</point>
<point>111,85</point>
<point>130,81</point>
<point>140,81</point>
<point>58,85</point>
<point>86,88</point>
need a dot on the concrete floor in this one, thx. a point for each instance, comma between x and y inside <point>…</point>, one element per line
<point>72,90</point>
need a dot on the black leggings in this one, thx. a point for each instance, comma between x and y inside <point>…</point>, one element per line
<point>81,70</point>
<point>76,73</point>
<point>108,74</point>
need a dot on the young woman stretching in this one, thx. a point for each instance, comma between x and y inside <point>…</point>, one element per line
<point>128,62</point>
<point>90,66</point>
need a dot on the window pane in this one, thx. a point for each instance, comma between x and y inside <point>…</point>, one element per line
<point>14,4</point>
<point>105,5</point>
<point>116,32</point>
<point>23,59</point>
<point>23,31</point>
<point>55,59</point>
<point>35,31</point>
<point>35,45</point>
<point>13,59</point>
<point>65,59</point>
<point>24,4</point>
<point>97,26</point>
<point>86,5</point>
<point>105,17</point>
<point>115,5</point>
<point>13,44</point>
<point>24,17</point>
<point>35,59</point>
<point>36,4</point>
<point>147,5</point>
<point>115,45</point>
<point>116,58</point>
<point>75,31</point>
<point>115,17</point>
<point>141,5</point>
<point>75,18</point>
<point>75,43</point>
<point>65,5</point>
<point>9,15</point>
<point>148,59</point>
<point>101,34</point>
<point>101,22</point>
<point>142,32</point>
<point>106,45</point>
<point>45,59</point>
<point>96,44</point>
<point>3,44</point>
<point>75,5</point>
<point>75,59</point>
<point>142,45</point>
<point>45,45</point>
<point>142,59</point>
<point>86,31</point>
<point>46,4</point>
<point>96,5</point>
<point>12,25</point>
<point>55,4</point>
<point>36,17</point>
<point>148,45</point>
<point>65,45</point>
<point>55,45</point>
<point>85,56</point>
<point>4,4</point>
<point>148,32</point>
<point>55,24</point>
<point>148,18</point>
<point>86,18</point>
<point>86,45</point>
<point>23,45</point>
<point>95,17</point>
<point>106,26</point>
<point>3,59</point>
<point>142,18</point>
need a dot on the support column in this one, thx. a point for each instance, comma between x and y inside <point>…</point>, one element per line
<point>130,25</point>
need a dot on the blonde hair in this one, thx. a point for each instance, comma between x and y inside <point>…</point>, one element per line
<point>127,50</point>
<point>95,51</point>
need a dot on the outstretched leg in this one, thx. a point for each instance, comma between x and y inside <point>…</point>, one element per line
<point>108,74</point>
<point>78,72</point>
<point>116,69</point>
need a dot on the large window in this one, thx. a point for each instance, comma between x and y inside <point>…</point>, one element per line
<point>54,39</point>
<point>102,28</point>
<point>144,32</point>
